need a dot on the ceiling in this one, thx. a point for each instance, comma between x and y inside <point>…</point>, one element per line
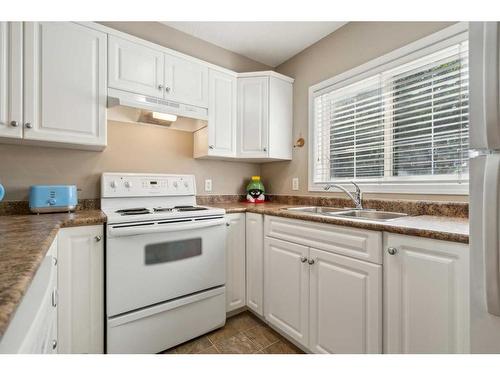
<point>270,43</point>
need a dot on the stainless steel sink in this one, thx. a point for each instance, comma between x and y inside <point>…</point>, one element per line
<point>371,215</point>
<point>319,210</point>
<point>348,213</point>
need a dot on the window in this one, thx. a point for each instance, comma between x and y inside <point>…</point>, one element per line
<point>404,123</point>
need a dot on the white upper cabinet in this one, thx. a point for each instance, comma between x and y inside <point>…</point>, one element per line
<point>186,81</point>
<point>253,116</point>
<point>135,68</point>
<point>426,296</point>
<point>11,79</point>
<point>345,305</point>
<point>64,83</point>
<point>265,116</point>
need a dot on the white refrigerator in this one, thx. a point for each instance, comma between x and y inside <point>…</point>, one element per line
<point>484,185</point>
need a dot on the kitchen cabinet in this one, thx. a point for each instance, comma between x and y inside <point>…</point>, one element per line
<point>135,68</point>
<point>140,69</point>
<point>81,292</point>
<point>33,329</point>
<point>11,79</point>
<point>235,262</point>
<point>317,292</point>
<point>64,84</point>
<point>426,295</point>
<point>186,81</point>
<point>264,116</point>
<point>255,262</point>
<point>345,304</point>
<point>218,138</point>
<point>286,288</point>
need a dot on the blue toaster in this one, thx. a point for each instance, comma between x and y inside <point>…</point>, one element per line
<point>53,198</point>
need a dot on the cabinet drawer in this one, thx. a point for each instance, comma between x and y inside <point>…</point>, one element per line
<point>356,243</point>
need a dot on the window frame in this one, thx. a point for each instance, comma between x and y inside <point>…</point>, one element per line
<point>411,184</point>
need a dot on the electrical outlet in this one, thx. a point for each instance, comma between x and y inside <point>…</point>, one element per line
<point>208,185</point>
<point>295,183</point>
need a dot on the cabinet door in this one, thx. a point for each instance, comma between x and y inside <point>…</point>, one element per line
<point>253,116</point>
<point>135,68</point>
<point>65,83</point>
<point>255,262</point>
<point>426,296</point>
<point>11,83</point>
<point>286,288</point>
<point>235,262</point>
<point>222,114</point>
<point>186,81</point>
<point>345,305</point>
<point>81,291</point>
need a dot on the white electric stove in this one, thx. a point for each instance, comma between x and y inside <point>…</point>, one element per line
<point>165,262</point>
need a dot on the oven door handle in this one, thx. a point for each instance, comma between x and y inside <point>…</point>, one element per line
<point>145,228</point>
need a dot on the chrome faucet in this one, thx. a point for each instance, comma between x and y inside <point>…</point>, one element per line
<point>356,196</point>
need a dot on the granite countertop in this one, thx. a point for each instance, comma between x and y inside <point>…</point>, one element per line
<point>437,227</point>
<point>24,241</point>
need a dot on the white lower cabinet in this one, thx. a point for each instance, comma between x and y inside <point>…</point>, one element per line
<point>426,295</point>
<point>255,262</point>
<point>235,262</point>
<point>33,329</point>
<point>345,302</point>
<point>81,295</point>
<point>286,288</point>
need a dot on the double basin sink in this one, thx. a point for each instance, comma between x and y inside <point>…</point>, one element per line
<point>348,213</point>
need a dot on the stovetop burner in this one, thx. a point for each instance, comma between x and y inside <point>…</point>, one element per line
<point>163,209</point>
<point>189,208</point>
<point>133,211</point>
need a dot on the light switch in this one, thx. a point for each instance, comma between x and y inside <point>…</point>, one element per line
<point>295,183</point>
<point>208,185</point>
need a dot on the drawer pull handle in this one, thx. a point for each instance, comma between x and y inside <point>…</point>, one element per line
<point>98,238</point>
<point>55,298</point>
<point>54,344</point>
<point>311,261</point>
<point>303,259</point>
<point>392,251</point>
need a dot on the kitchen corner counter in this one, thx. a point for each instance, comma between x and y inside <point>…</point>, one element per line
<point>445,228</point>
<point>24,241</point>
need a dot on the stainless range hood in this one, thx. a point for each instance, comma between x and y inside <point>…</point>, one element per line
<point>152,104</point>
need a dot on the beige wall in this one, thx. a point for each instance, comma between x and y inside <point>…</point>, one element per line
<point>348,47</point>
<point>131,148</point>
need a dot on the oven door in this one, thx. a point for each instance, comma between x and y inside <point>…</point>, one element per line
<point>153,262</point>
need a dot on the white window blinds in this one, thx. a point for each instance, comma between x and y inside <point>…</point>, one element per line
<point>408,123</point>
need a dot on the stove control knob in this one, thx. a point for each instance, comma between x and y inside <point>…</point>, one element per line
<point>176,185</point>
<point>128,184</point>
<point>112,184</point>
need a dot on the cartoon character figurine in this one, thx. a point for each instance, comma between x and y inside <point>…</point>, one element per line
<point>255,190</point>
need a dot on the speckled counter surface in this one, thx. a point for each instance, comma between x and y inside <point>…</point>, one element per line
<point>24,241</point>
<point>437,227</point>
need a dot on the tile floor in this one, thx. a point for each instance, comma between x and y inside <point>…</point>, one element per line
<point>242,334</point>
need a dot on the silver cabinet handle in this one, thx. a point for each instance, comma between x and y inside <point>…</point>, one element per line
<point>29,125</point>
<point>14,124</point>
<point>228,224</point>
<point>303,259</point>
<point>98,238</point>
<point>160,86</point>
<point>167,89</point>
<point>311,261</point>
<point>265,149</point>
<point>211,147</point>
<point>392,250</point>
<point>54,259</point>
<point>54,344</point>
<point>55,298</point>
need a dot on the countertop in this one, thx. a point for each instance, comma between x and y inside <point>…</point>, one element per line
<point>437,227</point>
<point>24,241</point>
